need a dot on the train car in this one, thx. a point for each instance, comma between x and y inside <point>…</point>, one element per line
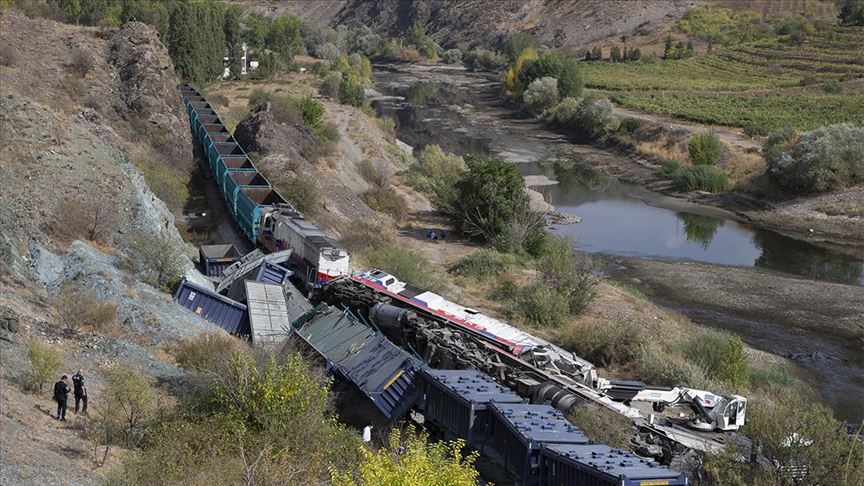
<point>457,402</point>
<point>601,465</point>
<point>518,433</point>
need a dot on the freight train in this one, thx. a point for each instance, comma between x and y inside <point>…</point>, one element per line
<point>264,216</point>
<point>451,335</point>
<point>533,444</point>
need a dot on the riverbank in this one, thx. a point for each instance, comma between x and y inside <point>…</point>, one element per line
<point>817,324</point>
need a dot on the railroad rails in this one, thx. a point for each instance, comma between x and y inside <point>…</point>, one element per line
<point>445,334</point>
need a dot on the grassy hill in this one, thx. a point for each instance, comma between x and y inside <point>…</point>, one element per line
<point>760,86</point>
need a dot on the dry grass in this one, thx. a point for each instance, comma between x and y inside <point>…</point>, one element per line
<point>663,149</point>
<point>743,169</point>
<point>852,209</point>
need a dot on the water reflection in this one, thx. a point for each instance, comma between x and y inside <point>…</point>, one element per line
<point>792,256</point>
<point>700,229</point>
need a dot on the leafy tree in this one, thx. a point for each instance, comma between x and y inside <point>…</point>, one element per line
<point>284,37</point>
<point>615,54</point>
<point>512,79</point>
<point>634,54</point>
<point>435,174</point>
<point>819,160</point>
<point>596,118</point>
<point>351,91</point>
<point>132,393</point>
<point>44,362</point>
<point>555,65</point>
<point>71,10</point>
<point>267,65</point>
<point>157,258</point>
<point>234,41</point>
<point>541,95</point>
<point>327,51</point>
<point>852,12</point>
<point>517,44</point>
<point>257,30</point>
<point>596,53</point>
<point>412,460</point>
<point>452,56</point>
<point>705,148</point>
<point>489,194</point>
<point>667,48</point>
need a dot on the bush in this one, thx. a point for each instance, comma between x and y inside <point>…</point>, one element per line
<point>605,343</point>
<point>372,173</point>
<point>384,199</point>
<point>705,148</point>
<point>517,44</point>
<point>721,355</point>
<point>555,65</point>
<point>351,91</point>
<point>80,64</point>
<point>8,56</point>
<point>414,459</point>
<point>482,264</point>
<point>541,95</point>
<point>361,234</point>
<point>484,59</point>
<point>407,265</point>
<point>602,425</point>
<point>832,86</point>
<point>44,362</point>
<point>628,125</point>
<point>304,193</point>
<point>330,86</point>
<point>205,353</point>
<point>327,51</point>
<point>701,178</point>
<point>397,51</point>
<point>90,218</point>
<point>132,395</point>
<point>512,80</point>
<point>563,269</point>
<point>535,304</point>
<point>596,118</point>
<point>81,307</point>
<point>311,111</point>
<point>452,56</point>
<point>156,258</point>
<point>566,111</point>
<point>851,12</point>
<point>819,160</point>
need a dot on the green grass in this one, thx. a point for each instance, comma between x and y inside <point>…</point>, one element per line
<point>755,86</point>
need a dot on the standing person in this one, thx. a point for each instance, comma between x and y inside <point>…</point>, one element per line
<point>61,394</point>
<point>80,391</point>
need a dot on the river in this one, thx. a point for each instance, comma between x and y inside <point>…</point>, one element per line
<point>463,113</point>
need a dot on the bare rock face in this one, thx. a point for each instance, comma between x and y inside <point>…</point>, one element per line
<point>146,72</point>
<point>260,132</point>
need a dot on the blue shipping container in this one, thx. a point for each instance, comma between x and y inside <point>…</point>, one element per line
<point>518,432</point>
<point>222,311</point>
<point>601,465</point>
<point>457,402</point>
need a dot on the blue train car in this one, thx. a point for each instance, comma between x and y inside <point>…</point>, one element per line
<point>518,434</point>
<point>601,465</point>
<point>457,402</point>
<point>221,311</point>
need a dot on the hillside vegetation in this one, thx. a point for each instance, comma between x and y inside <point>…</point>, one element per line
<point>803,75</point>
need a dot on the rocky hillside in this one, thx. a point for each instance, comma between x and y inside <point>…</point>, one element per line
<point>87,108</point>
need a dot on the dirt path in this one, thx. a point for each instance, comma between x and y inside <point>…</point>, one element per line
<point>732,136</point>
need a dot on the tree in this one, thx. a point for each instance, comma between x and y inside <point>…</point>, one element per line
<point>615,54</point>
<point>541,95</point>
<point>563,269</point>
<point>412,459</point>
<point>71,10</point>
<point>257,30</point>
<point>555,65</point>
<point>234,41</point>
<point>157,258</point>
<point>512,79</point>
<point>851,12</point>
<point>351,91</point>
<point>284,37</point>
<point>489,195</point>
<point>668,53</point>
<point>267,65</point>
<point>635,54</point>
<point>517,43</point>
<point>596,53</point>
<point>818,160</point>
<point>133,395</point>
<point>596,118</point>
<point>44,362</point>
<point>705,148</point>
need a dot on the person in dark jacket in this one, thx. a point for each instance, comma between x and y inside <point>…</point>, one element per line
<point>61,394</point>
<point>80,391</point>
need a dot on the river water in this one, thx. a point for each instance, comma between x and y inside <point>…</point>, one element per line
<point>463,113</point>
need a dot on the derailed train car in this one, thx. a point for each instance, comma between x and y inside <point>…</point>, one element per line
<point>264,216</point>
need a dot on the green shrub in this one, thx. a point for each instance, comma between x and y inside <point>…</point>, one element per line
<point>655,366</point>
<point>554,65</point>
<point>602,425</point>
<point>819,160</point>
<point>384,199</point>
<point>330,86</point>
<point>705,148</point>
<point>206,352</point>
<point>372,173</point>
<point>485,60</point>
<point>832,86</point>
<point>628,125</point>
<point>311,111</point>
<point>304,193</point>
<point>407,265</point>
<point>156,258</point>
<point>605,343</point>
<point>452,56</point>
<point>562,268</point>
<point>670,168</point>
<point>517,43</point>
<point>566,111</point>
<point>44,362</point>
<point>351,91</point>
<point>701,178</point>
<point>167,181</point>
<point>721,355</point>
<point>133,396</point>
<point>359,235</point>
<point>482,264</point>
<point>541,95</point>
<point>258,96</point>
<point>597,118</point>
<point>537,305</point>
